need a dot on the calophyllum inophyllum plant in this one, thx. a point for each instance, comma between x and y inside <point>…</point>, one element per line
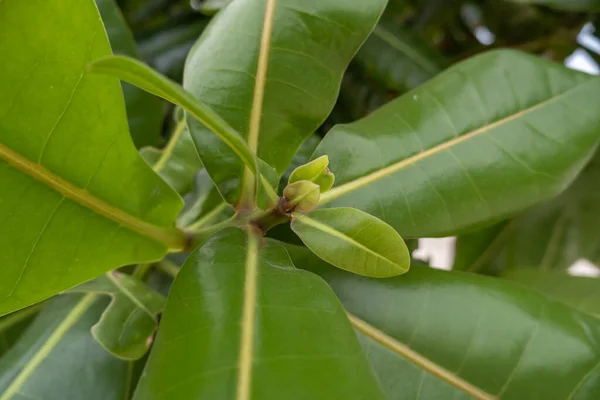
<point>251,317</point>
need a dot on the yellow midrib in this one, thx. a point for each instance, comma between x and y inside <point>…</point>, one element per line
<point>248,318</point>
<point>391,169</point>
<point>172,238</point>
<point>412,356</point>
<point>40,355</point>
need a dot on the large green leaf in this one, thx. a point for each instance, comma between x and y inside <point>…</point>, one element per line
<point>398,58</point>
<point>552,235</point>
<point>178,162</point>
<point>311,45</point>
<point>486,138</point>
<point>76,199</point>
<point>58,359</point>
<point>353,240</point>
<point>144,112</point>
<point>578,292</point>
<point>434,334</point>
<point>127,326</point>
<point>571,5</point>
<point>239,325</point>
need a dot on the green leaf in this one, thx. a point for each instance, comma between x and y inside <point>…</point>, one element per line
<point>353,240</point>
<point>13,325</point>
<point>136,73</point>
<point>570,5</point>
<point>550,236</point>
<point>209,7</point>
<point>301,157</point>
<point>76,198</point>
<point>204,205</point>
<point>126,328</point>
<point>144,112</point>
<point>484,139</point>
<point>580,293</point>
<point>455,335</point>
<point>311,44</point>
<point>57,358</point>
<point>398,58</point>
<point>178,162</point>
<point>254,327</point>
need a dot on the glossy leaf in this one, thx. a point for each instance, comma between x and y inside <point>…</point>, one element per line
<point>448,335</point>
<point>137,73</point>
<point>571,5</point>
<point>58,359</point>
<point>311,44</point>
<point>398,58</point>
<point>77,200</point>
<point>353,240</point>
<point>204,205</point>
<point>144,112</point>
<point>580,293</point>
<point>178,162</point>
<point>550,236</point>
<point>127,326</point>
<point>276,333</point>
<point>484,139</point>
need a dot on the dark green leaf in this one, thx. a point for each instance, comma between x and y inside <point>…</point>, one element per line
<point>127,326</point>
<point>276,333</point>
<point>444,335</point>
<point>353,240</point>
<point>312,44</point>
<point>77,199</point>
<point>398,58</point>
<point>550,236</point>
<point>484,139</point>
<point>13,325</point>
<point>571,5</point>
<point>204,205</point>
<point>58,359</point>
<point>144,112</point>
<point>578,292</point>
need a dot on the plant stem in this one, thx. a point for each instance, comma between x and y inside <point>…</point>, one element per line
<point>141,271</point>
<point>168,267</point>
<point>168,150</point>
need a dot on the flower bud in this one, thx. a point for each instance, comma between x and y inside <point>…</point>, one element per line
<point>302,195</point>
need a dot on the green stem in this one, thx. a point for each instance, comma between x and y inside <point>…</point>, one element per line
<point>141,271</point>
<point>168,267</point>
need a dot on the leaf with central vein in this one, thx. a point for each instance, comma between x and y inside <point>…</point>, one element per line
<point>353,240</point>
<point>312,43</point>
<point>144,112</point>
<point>464,333</point>
<point>76,199</point>
<point>302,345</point>
<point>128,324</point>
<point>58,359</point>
<point>484,139</point>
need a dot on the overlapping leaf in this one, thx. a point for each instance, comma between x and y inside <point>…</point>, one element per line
<point>486,138</point>
<point>239,325</point>
<point>456,335</point>
<point>311,46</point>
<point>58,359</point>
<point>77,199</point>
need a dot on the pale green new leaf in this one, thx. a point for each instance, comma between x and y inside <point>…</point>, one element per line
<point>76,199</point>
<point>144,112</point>
<point>486,138</point>
<point>127,326</point>
<point>244,325</point>
<point>309,48</point>
<point>353,240</point>
<point>453,335</point>
<point>58,359</point>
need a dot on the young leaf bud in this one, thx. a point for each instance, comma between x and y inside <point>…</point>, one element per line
<point>309,171</point>
<point>302,195</point>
